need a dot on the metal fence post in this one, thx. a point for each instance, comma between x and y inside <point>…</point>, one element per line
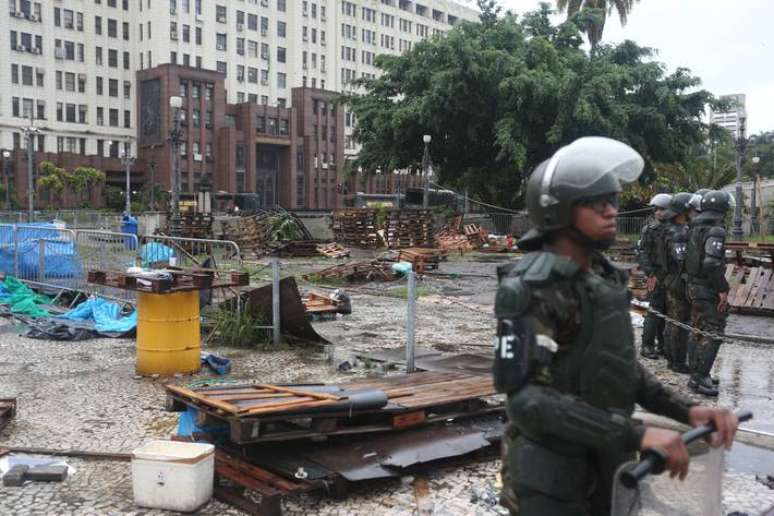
<point>411,322</point>
<point>41,260</point>
<point>275,299</point>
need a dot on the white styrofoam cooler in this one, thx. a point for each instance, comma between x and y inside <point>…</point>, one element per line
<point>172,475</point>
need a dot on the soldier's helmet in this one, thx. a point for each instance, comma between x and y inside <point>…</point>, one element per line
<point>695,202</point>
<point>662,200</point>
<point>588,167</point>
<point>714,204</point>
<point>678,204</point>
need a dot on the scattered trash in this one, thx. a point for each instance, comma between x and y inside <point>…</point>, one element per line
<point>220,365</point>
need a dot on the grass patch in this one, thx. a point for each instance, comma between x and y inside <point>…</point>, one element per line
<point>402,292</point>
<point>239,329</point>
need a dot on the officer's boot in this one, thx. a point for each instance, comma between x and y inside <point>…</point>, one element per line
<point>649,330</point>
<point>661,338</point>
<point>679,351</point>
<point>700,381</point>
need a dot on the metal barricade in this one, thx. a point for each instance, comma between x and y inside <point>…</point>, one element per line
<point>219,255</point>
<point>46,256</point>
<point>631,226</point>
<point>8,249</point>
<point>106,250</point>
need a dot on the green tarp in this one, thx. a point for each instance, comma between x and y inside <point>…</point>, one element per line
<point>22,299</point>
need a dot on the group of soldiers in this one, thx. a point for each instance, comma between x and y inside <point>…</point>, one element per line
<point>682,252</point>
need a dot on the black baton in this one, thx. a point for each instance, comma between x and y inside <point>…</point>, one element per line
<point>654,461</point>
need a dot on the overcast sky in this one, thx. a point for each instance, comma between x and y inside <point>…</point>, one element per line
<point>729,45</point>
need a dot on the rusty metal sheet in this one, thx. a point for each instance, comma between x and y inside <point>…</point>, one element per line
<point>292,312</point>
<point>384,455</point>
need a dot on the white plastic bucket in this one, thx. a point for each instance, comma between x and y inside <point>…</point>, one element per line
<point>173,475</point>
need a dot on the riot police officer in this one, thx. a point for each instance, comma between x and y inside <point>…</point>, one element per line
<point>707,288</point>
<point>653,262</point>
<point>694,205</point>
<point>565,351</point>
<point>678,306</point>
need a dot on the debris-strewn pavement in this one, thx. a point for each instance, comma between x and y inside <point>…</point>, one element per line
<point>85,395</point>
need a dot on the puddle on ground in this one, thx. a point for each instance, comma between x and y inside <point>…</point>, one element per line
<point>746,374</point>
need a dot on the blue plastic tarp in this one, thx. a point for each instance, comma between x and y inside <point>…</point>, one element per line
<point>105,314</point>
<point>60,257</point>
<point>155,252</point>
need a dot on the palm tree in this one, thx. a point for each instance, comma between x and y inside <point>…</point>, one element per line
<point>600,9</point>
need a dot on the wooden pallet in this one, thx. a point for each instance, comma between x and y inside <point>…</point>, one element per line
<point>751,289</point>
<point>256,413</point>
<point>358,272</point>
<point>333,250</point>
<point>178,280</point>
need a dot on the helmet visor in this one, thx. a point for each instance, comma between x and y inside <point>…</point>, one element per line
<point>586,160</point>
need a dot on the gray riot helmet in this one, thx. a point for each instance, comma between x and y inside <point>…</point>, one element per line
<point>695,201</point>
<point>587,168</point>
<point>714,205</point>
<point>661,200</point>
<point>678,205</point>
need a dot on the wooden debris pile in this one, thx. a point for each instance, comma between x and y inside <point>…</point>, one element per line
<point>423,259</point>
<point>354,272</point>
<point>408,228</point>
<point>188,225</point>
<point>356,228</point>
<point>458,237</point>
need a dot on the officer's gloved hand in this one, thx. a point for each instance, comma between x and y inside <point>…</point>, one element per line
<point>650,283</point>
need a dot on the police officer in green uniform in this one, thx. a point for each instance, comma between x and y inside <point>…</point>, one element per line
<point>565,353</point>
<point>678,306</point>
<point>705,264</point>
<point>653,262</point>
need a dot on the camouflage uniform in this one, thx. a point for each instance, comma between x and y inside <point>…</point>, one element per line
<point>678,305</point>
<point>652,258</point>
<point>705,264</point>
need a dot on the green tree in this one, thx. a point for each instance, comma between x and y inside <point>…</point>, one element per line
<point>761,145</point>
<point>114,198</point>
<point>591,15</point>
<point>500,96</point>
<point>56,180</point>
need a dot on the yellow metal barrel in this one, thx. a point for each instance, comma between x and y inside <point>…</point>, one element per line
<point>168,339</point>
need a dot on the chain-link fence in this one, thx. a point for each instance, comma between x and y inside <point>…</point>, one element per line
<point>105,250</point>
<point>218,255</point>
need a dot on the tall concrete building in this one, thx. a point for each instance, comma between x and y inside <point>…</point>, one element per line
<point>73,66</point>
<point>731,119</point>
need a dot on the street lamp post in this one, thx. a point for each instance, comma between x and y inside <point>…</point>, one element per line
<point>6,177</point>
<point>754,229</point>
<point>741,148</point>
<point>426,172</point>
<point>128,160</point>
<point>176,138</point>
<point>29,134</point>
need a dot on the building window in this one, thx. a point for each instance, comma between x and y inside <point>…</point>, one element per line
<point>100,114</point>
<point>281,54</point>
<point>220,41</point>
<point>113,120</point>
<point>127,89</point>
<point>127,118</point>
<point>113,87</point>
<point>281,29</point>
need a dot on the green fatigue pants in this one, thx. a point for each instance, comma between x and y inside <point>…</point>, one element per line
<point>539,481</point>
<point>653,327</point>
<point>679,309</point>
<point>704,316</point>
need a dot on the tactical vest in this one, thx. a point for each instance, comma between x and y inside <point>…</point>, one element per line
<point>677,247</point>
<point>695,252</point>
<point>653,237</point>
<point>601,364</point>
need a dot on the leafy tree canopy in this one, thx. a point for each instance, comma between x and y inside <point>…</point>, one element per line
<point>56,179</point>
<point>500,96</point>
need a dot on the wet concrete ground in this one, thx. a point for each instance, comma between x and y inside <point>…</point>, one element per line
<point>84,395</point>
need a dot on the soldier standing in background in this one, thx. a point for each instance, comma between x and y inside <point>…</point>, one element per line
<point>707,288</point>
<point>678,306</point>
<point>565,352</point>
<point>653,258</point>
